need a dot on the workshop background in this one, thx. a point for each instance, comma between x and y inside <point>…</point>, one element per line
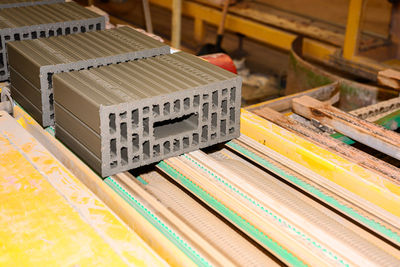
<point>199,133</point>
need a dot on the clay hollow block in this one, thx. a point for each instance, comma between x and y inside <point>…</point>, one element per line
<point>32,22</point>
<point>127,115</point>
<point>34,62</point>
<point>18,3</point>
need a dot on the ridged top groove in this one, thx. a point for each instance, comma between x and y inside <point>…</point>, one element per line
<point>211,228</point>
<point>145,78</point>
<point>319,219</point>
<point>43,14</point>
<point>85,46</point>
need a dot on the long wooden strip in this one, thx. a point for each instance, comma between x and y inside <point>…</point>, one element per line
<point>243,174</point>
<point>325,190</point>
<point>125,212</point>
<point>202,245</point>
<point>49,205</point>
<point>325,160</point>
<point>284,103</point>
<point>251,215</point>
<point>361,158</point>
<point>365,132</point>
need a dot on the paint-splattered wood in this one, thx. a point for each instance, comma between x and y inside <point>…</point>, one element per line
<point>370,134</point>
<point>49,217</point>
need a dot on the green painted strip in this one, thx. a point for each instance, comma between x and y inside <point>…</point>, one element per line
<point>390,121</point>
<point>50,130</point>
<point>273,216</point>
<point>232,216</point>
<point>343,138</point>
<point>156,222</point>
<point>140,179</point>
<point>319,194</point>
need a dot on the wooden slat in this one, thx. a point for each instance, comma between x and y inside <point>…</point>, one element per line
<point>164,247</point>
<point>50,217</point>
<point>185,230</point>
<point>361,158</point>
<point>370,134</point>
<point>337,164</point>
<point>390,78</point>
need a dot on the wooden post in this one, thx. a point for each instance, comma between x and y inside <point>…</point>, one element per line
<point>351,39</point>
<point>176,23</point>
<point>147,16</point>
<point>198,30</point>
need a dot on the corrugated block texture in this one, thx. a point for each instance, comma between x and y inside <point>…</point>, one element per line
<point>33,62</point>
<point>126,115</point>
<point>18,3</point>
<point>32,22</point>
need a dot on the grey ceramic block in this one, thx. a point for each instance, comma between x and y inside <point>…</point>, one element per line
<point>34,62</point>
<point>123,116</point>
<point>38,21</point>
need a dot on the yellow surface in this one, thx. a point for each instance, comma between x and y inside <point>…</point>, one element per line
<point>344,173</point>
<point>142,227</point>
<point>49,218</point>
<point>354,16</point>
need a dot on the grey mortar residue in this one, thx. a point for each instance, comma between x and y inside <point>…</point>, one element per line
<point>19,3</point>
<point>127,115</point>
<point>36,61</point>
<point>39,21</point>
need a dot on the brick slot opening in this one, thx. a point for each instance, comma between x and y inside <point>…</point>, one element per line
<point>176,126</point>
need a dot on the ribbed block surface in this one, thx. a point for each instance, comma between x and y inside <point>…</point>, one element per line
<point>32,22</point>
<point>18,3</point>
<point>33,62</point>
<point>123,116</point>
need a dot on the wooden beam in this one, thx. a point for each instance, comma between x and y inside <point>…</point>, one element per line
<point>147,16</point>
<point>176,23</point>
<point>255,30</point>
<point>199,31</point>
<point>284,104</point>
<point>351,39</point>
<point>365,132</point>
<point>326,159</point>
<point>354,155</point>
<point>202,245</point>
<point>164,247</point>
<point>390,78</point>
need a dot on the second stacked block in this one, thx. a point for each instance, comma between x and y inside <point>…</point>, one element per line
<point>34,62</point>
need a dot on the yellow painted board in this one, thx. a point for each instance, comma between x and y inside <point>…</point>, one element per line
<point>159,242</point>
<point>49,218</point>
<point>350,176</point>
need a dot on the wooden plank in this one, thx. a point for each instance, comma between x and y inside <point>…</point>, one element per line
<point>253,217</point>
<point>51,217</point>
<point>164,247</point>
<point>353,32</point>
<point>185,231</point>
<point>329,159</point>
<point>176,23</point>
<point>329,188</point>
<point>361,158</point>
<point>365,132</point>
<point>377,12</point>
<point>390,78</point>
<point>285,103</point>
